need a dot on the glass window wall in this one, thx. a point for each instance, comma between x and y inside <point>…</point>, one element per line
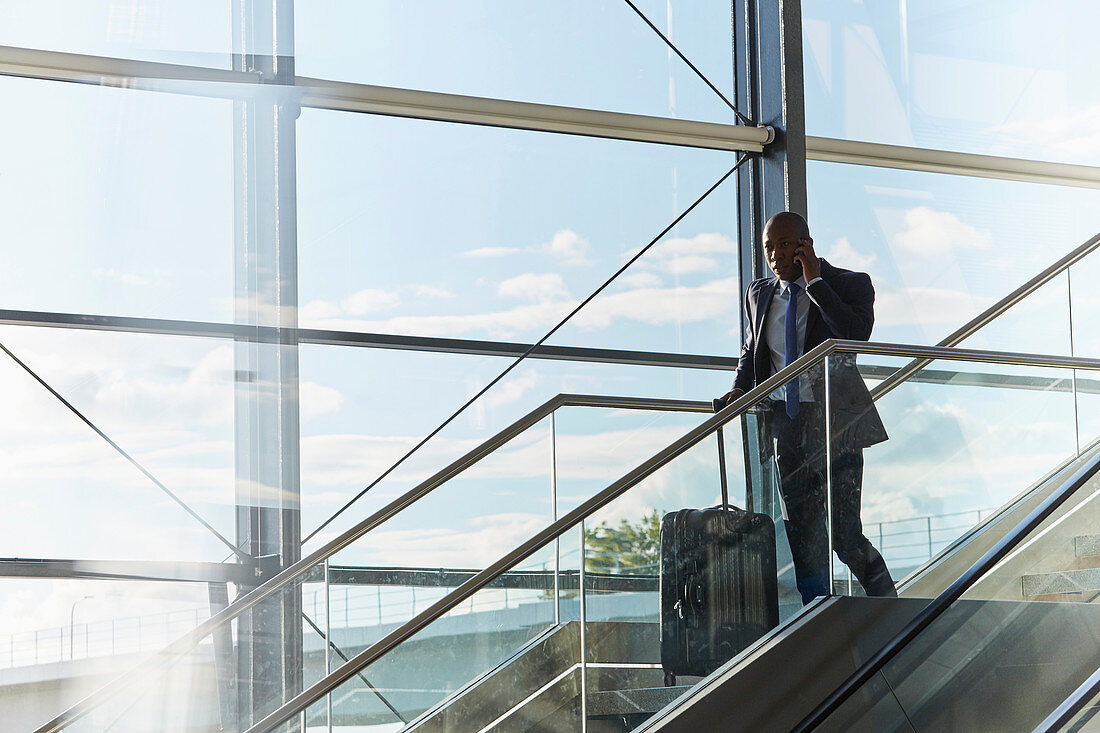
<point>999,77</point>
<point>192,32</point>
<point>573,53</point>
<point>940,249</point>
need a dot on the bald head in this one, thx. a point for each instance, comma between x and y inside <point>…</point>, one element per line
<point>788,221</point>
<point>787,242</point>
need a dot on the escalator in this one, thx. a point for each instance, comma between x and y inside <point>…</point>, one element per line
<point>1001,658</point>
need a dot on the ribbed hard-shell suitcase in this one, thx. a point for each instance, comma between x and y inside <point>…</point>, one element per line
<point>718,584</point>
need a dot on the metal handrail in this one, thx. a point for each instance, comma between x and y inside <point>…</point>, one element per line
<point>937,606</point>
<point>984,318</point>
<point>736,408</point>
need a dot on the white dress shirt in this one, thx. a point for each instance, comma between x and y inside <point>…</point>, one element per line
<point>775,332</point>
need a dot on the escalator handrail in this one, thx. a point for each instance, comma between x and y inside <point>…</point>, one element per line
<point>984,318</point>
<point>937,606</point>
<point>736,408</point>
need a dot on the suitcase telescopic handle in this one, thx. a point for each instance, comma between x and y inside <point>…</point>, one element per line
<point>722,475</point>
<point>722,469</point>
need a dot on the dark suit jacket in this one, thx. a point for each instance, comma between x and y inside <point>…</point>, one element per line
<point>842,307</point>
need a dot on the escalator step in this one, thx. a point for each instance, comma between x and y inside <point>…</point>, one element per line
<point>1067,581</point>
<point>1087,545</point>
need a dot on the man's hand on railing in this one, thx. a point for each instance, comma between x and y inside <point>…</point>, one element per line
<point>728,397</point>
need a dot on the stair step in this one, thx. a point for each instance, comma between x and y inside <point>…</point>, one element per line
<point>1087,545</point>
<point>1067,581</point>
<point>646,700</point>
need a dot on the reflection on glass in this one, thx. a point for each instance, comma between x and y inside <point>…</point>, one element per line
<point>1085,300</point>
<point>965,439</point>
<point>128,213</point>
<point>1038,324</point>
<point>570,52</point>
<point>193,32</point>
<point>70,493</point>
<point>992,76</point>
<point>940,249</point>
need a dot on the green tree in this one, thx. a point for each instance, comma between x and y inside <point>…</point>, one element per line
<point>627,546</point>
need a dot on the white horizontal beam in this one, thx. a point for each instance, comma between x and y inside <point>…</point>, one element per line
<point>323,94</point>
<point>945,161</point>
<point>33,63</point>
<point>349,97</point>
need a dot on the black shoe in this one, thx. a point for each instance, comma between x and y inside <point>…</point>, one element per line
<point>870,570</point>
<point>876,580</point>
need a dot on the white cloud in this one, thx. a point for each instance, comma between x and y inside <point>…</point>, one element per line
<point>126,278</point>
<point>701,244</point>
<point>658,306</point>
<point>370,301</point>
<point>534,288</point>
<point>932,233</point>
<point>843,254</point>
<point>512,390</point>
<point>651,305</point>
<point>482,541</point>
<point>686,255</point>
<point>318,309</point>
<point>491,252</point>
<point>430,291</point>
<point>924,306</point>
<point>502,324</point>
<point>641,280</point>
<point>315,399</point>
<point>687,265</point>
<point>568,245</point>
<point>1071,136</point>
<point>947,454</point>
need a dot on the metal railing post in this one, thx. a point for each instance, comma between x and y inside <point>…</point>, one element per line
<point>554,512</point>
<point>328,643</point>
<point>828,477</point>
<point>1073,372</point>
<point>928,521</point>
<point>583,635</point>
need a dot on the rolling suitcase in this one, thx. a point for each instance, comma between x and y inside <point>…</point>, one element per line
<point>718,584</point>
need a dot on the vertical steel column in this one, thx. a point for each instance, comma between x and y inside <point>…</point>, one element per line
<point>767,44</point>
<point>266,295</point>
<point>224,661</point>
<point>767,74</point>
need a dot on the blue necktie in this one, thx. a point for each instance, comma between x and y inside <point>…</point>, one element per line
<point>791,348</point>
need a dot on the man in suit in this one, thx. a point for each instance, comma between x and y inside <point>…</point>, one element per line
<point>807,302</point>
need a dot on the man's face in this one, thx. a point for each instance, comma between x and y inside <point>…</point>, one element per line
<point>780,243</point>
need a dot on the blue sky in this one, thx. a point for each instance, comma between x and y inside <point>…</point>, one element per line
<point>120,202</point>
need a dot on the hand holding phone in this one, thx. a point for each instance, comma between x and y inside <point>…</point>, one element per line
<point>804,255</point>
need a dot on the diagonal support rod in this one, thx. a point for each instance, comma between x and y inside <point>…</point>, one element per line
<point>332,645</point>
<point>122,452</point>
<point>744,120</point>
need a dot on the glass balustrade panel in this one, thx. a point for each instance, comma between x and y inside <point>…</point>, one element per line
<point>634,546</point>
<point>941,452</point>
<point>607,586</point>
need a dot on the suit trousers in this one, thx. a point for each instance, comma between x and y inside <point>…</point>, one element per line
<point>799,450</point>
